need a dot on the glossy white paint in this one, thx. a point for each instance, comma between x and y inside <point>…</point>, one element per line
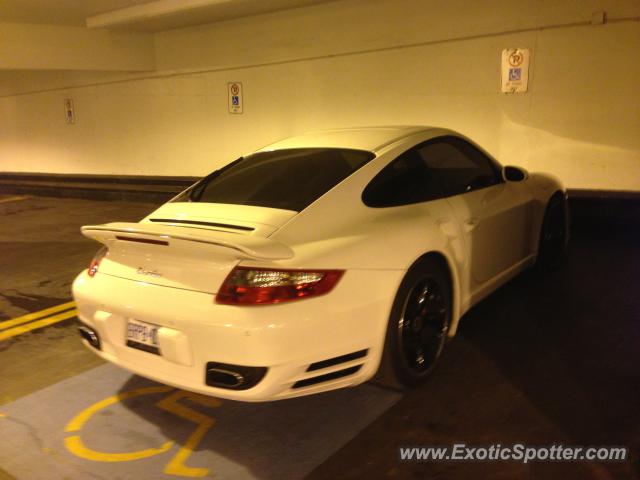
<point>485,236</point>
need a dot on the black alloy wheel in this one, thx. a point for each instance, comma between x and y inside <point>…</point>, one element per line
<point>423,326</point>
<point>553,235</point>
<point>418,325</point>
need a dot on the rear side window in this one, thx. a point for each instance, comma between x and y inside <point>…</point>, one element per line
<point>287,179</point>
<point>404,181</point>
<point>438,168</point>
<point>459,166</point>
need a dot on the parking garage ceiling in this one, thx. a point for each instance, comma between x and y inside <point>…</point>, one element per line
<point>105,35</point>
<point>138,15</point>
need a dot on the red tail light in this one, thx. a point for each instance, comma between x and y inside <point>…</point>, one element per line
<point>95,262</point>
<point>258,286</point>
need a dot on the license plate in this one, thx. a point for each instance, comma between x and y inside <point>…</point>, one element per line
<point>142,333</point>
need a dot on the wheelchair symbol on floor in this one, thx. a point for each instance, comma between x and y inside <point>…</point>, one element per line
<point>176,465</point>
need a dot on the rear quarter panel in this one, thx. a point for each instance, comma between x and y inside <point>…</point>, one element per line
<point>340,231</point>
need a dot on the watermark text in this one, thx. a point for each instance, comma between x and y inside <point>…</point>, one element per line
<point>461,452</point>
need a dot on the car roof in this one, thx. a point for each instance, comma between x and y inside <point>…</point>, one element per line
<point>360,138</point>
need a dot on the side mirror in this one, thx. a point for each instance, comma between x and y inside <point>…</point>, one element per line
<point>514,174</point>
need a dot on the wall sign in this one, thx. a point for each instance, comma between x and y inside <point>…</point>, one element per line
<point>69,112</point>
<point>235,97</point>
<point>515,70</point>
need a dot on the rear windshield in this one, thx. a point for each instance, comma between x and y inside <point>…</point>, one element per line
<point>287,179</point>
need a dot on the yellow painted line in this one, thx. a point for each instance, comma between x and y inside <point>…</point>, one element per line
<point>35,315</point>
<point>14,199</point>
<point>75,445</point>
<point>79,420</point>
<point>12,332</point>
<point>176,465</point>
<point>2,415</point>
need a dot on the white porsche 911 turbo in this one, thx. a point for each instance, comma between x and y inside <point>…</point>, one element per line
<point>316,263</point>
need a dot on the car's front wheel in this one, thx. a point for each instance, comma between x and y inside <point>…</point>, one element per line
<point>418,325</point>
<point>553,234</point>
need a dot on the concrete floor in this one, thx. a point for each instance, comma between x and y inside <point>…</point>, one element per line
<point>542,361</point>
<point>545,360</point>
<point>41,252</point>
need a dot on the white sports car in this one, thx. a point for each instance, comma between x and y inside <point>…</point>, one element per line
<point>316,263</point>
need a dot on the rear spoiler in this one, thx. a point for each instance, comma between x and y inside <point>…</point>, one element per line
<point>245,246</point>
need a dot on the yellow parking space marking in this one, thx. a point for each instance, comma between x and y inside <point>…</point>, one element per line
<point>14,199</point>
<point>35,315</point>
<point>75,445</point>
<point>79,420</point>
<point>176,465</point>
<point>12,332</point>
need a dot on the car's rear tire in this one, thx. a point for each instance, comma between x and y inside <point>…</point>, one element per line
<point>553,235</point>
<point>418,325</point>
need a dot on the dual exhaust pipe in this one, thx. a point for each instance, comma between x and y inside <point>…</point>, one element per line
<point>90,335</point>
<point>232,377</point>
<point>220,377</point>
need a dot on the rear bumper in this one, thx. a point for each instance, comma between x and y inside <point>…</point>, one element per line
<point>285,338</point>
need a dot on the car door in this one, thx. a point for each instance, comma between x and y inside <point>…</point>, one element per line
<point>494,215</point>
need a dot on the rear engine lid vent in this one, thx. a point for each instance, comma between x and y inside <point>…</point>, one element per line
<point>198,223</point>
<point>238,219</point>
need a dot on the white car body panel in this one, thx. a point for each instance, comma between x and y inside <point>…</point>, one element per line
<point>287,337</point>
<point>371,138</point>
<point>485,236</point>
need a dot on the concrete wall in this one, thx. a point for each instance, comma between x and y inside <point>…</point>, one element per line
<point>357,62</point>
<point>26,46</point>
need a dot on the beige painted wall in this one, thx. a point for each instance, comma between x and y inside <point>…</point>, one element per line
<point>27,46</point>
<point>348,63</point>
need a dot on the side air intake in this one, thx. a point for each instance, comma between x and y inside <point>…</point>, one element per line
<point>337,360</point>
<point>326,377</point>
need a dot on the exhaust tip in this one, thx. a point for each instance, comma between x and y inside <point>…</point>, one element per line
<point>90,335</point>
<point>233,377</point>
<point>225,377</point>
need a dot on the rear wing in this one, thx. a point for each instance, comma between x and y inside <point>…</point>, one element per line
<point>245,246</point>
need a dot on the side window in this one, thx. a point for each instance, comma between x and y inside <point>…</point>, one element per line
<point>404,181</point>
<point>438,168</point>
<point>458,166</point>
